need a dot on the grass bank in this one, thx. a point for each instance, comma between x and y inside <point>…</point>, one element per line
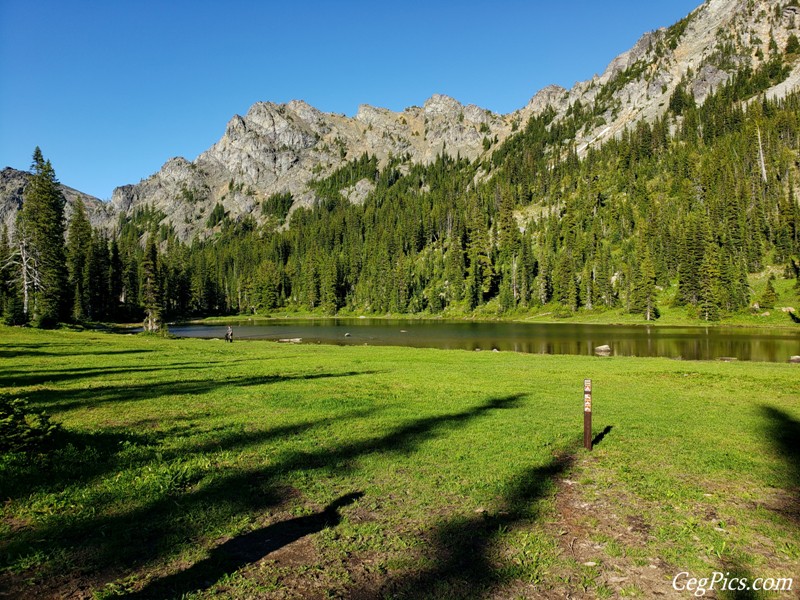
<point>195,467</point>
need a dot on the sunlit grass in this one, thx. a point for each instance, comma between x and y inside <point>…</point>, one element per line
<point>172,447</point>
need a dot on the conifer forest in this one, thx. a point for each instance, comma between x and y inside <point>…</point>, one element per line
<point>695,202</point>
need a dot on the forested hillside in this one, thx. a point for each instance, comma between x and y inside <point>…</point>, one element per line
<point>678,210</point>
<point>701,198</point>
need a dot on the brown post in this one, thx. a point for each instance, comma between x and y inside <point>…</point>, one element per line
<point>587,414</point>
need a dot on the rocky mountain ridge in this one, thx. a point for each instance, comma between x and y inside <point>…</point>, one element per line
<point>12,188</point>
<point>280,148</point>
<point>275,149</point>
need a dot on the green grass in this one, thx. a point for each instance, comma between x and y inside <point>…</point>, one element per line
<point>198,467</point>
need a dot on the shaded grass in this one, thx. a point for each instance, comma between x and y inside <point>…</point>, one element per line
<point>176,449</point>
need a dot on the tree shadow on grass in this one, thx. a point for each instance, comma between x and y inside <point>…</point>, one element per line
<point>61,400</point>
<point>79,457</point>
<point>783,432</point>
<point>188,508</point>
<point>734,569</point>
<point>33,350</point>
<point>401,440</point>
<point>244,550</point>
<point>24,378</point>
<point>464,561</point>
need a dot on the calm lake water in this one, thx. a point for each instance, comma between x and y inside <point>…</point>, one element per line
<point>688,343</point>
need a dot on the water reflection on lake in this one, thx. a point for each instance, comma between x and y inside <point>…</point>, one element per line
<point>688,343</point>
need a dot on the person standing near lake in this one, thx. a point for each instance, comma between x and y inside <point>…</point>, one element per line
<point>229,334</point>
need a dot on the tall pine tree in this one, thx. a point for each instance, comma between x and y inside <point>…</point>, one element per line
<point>79,241</point>
<point>151,288</point>
<point>41,239</point>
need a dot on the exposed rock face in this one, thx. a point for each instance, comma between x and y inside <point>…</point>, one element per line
<point>704,50</point>
<point>358,193</point>
<point>281,148</point>
<point>12,185</point>
<point>12,188</point>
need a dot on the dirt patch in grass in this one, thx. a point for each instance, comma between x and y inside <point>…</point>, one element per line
<point>604,549</point>
<point>606,543</point>
<point>23,586</point>
<point>280,538</point>
<point>15,524</point>
<point>613,544</point>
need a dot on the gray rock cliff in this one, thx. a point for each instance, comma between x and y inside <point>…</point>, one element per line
<point>277,148</point>
<point>12,188</point>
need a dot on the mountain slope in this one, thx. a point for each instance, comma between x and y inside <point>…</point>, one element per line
<point>702,51</point>
<point>12,188</point>
<point>279,149</point>
<point>276,149</point>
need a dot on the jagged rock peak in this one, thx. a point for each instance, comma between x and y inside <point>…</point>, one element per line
<point>236,126</point>
<point>373,114</point>
<point>441,105</point>
<point>304,110</point>
<point>275,148</point>
<point>630,57</point>
<point>550,94</point>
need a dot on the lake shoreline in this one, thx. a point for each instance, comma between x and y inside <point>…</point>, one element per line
<point>533,319</point>
<point>171,445</point>
<point>680,342</point>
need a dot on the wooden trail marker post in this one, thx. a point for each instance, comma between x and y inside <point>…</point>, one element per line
<point>587,414</point>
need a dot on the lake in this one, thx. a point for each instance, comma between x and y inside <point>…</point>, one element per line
<point>687,343</point>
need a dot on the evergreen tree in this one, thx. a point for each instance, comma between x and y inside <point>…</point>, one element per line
<point>129,297</point>
<point>770,297</point>
<point>41,239</point>
<point>310,281</point>
<point>586,292</point>
<point>708,300</point>
<point>506,300</point>
<point>792,44</point>
<point>11,308</point>
<point>695,248</point>
<point>481,273</point>
<point>6,269</point>
<point>96,278</point>
<point>565,288</point>
<point>115,272</point>
<point>79,239</point>
<point>604,291</point>
<point>473,286</point>
<point>527,272</point>
<point>267,283</point>
<point>544,281</point>
<point>643,299</point>
<point>151,288</point>
<point>454,271</point>
<point>328,287</point>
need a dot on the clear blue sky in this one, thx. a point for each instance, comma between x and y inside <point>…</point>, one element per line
<point>112,89</point>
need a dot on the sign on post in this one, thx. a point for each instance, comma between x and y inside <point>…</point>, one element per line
<point>587,414</point>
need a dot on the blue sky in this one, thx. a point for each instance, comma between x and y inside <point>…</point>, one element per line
<point>112,89</point>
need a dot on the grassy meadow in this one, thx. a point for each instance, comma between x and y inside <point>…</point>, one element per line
<point>195,468</point>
